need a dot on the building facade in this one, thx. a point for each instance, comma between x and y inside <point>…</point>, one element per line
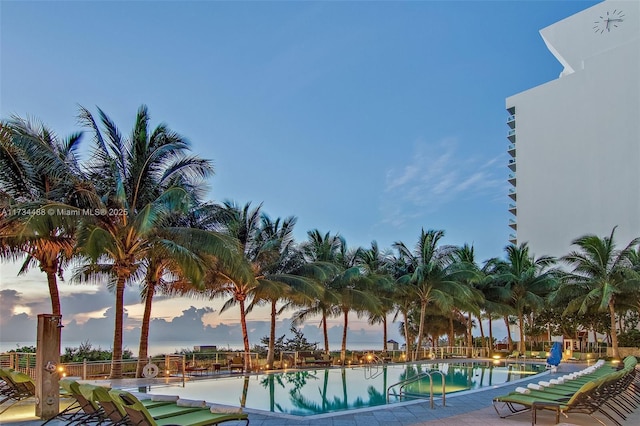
<point>575,141</point>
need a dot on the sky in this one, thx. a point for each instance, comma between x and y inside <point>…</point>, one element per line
<point>373,120</point>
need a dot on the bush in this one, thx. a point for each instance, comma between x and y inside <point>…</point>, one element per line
<point>86,351</point>
<point>630,339</point>
<point>295,344</point>
<point>25,350</point>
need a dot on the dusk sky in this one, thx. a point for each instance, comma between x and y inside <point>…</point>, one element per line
<point>368,119</point>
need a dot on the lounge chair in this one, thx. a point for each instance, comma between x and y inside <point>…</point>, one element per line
<point>114,410</point>
<point>138,415</point>
<point>88,410</point>
<point>236,363</point>
<point>16,386</point>
<point>590,391</point>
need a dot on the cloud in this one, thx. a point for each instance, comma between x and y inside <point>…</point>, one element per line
<point>434,176</point>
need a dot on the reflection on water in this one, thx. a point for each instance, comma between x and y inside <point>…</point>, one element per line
<point>317,391</point>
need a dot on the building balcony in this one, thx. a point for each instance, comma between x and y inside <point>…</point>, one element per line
<point>512,194</point>
<point>512,239</point>
<point>512,179</point>
<point>511,121</point>
<point>511,135</point>
<point>512,209</point>
<point>513,225</point>
<point>512,165</point>
<point>511,110</point>
<point>512,150</point>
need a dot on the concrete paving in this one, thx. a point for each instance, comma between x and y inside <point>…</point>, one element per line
<point>468,408</point>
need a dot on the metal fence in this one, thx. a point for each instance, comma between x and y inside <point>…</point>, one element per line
<point>209,363</point>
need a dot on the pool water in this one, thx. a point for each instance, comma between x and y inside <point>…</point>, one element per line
<point>318,391</point>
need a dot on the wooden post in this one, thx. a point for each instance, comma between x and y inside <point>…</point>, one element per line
<point>47,360</point>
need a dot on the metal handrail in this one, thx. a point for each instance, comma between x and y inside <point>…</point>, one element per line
<point>375,361</point>
<point>421,376</point>
<point>404,382</point>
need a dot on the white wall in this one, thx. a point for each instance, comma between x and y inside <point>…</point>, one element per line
<point>578,139</point>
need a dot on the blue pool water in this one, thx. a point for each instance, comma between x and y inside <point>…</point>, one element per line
<point>318,391</point>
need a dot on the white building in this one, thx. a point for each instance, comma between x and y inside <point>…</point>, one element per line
<point>575,141</point>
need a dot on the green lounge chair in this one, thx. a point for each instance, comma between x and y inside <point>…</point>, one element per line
<point>88,411</point>
<point>16,387</point>
<point>116,413</point>
<point>138,415</point>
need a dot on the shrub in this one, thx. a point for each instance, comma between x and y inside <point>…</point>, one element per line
<point>86,351</point>
<point>629,339</point>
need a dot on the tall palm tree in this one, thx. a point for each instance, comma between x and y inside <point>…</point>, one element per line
<point>495,305</point>
<point>464,260</point>
<point>36,169</point>
<point>286,277</point>
<point>353,290</point>
<point>602,276</point>
<point>322,250</point>
<point>526,282</point>
<point>377,268</point>
<point>403,300</point>
<point>431,277</point>
<point>140,182</point>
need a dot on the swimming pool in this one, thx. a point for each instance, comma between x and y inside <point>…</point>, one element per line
<point>318,391</point>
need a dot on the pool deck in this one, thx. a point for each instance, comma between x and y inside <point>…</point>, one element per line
<point>467,408</point>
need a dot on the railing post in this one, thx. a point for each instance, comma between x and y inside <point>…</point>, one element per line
<point>184,366</point>
<point>167,365</point>
<point>84,369</point>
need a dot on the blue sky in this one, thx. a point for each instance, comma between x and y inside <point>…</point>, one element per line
<point>368,119</point>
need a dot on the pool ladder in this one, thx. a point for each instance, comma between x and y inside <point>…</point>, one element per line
<point>416,378</point>
<point>372,368</point>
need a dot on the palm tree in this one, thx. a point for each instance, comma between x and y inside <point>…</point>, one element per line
<point>377,268</point>
<point>140,181</point>
<point>464,260</point>
<point>403,300</point>
<point>322,250</point>
<point>602,277</point>
<point>495,306</point>
<point>353,291</point>
<point>286,277</point>
<point>526,281</point>
<point>431,277</point>
<point>36,169</point>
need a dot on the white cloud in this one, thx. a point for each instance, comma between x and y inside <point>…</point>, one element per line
<point>435,175</point>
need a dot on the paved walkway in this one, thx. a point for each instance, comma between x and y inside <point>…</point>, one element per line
<point>470,408</point>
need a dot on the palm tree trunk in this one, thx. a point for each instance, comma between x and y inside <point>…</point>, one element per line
<point>509,339</point>
<point>482,336</point>
<point>116,360</point>
<point>521,346</point>
<point>423,313</point>
<point>407,338</point>
<point>245,336</point>
<point>490,335</point>
<point>325,331</point>
<point>343,351</point>
<point>614,330</point>
<point>451,333</point>
<point>384,334</point>
<point>53,290</point>
<point>144,328</point>
<point>469,337</point>
<point>272,336</point>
